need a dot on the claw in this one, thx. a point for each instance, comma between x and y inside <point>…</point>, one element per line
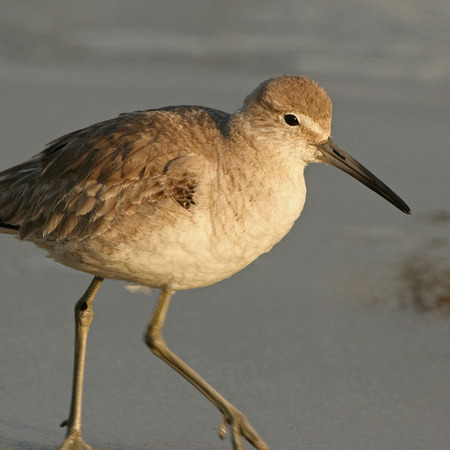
<point>223,429</point>
<point>64,423</point>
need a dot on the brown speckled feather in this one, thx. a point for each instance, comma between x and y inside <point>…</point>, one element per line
<point>79,184</point>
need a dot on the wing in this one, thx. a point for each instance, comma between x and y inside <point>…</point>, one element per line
<point>88,180</point>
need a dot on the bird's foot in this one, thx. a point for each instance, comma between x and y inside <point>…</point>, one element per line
<point>74,441</point>
<point>240,426</point>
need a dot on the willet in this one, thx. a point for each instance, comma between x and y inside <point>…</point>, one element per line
<point>175,198</point>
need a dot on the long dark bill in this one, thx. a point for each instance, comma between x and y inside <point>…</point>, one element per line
<point>345,162</point>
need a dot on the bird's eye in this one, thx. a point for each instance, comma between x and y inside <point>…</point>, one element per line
<point>291,120</point>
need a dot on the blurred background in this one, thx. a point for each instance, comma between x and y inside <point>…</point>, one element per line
<point>336,339</point>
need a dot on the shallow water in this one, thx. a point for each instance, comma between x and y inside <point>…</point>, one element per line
<point>338,338</point>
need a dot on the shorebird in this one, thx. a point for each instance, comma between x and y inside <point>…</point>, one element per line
<point>175,198</point>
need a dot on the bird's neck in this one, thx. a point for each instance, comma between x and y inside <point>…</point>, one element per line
<point>261,191</point>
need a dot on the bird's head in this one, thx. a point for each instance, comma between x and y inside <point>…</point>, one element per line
<point>294,113</point>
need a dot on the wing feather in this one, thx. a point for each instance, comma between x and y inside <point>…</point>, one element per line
<point>85,181</point>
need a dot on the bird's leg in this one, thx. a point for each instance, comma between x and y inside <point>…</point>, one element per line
<point>232,417</point>
<point>83,319</point>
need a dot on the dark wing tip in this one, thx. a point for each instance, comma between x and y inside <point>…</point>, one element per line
<point>9,227</point>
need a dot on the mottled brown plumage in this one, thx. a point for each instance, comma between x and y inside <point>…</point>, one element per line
<point>82,181</point>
